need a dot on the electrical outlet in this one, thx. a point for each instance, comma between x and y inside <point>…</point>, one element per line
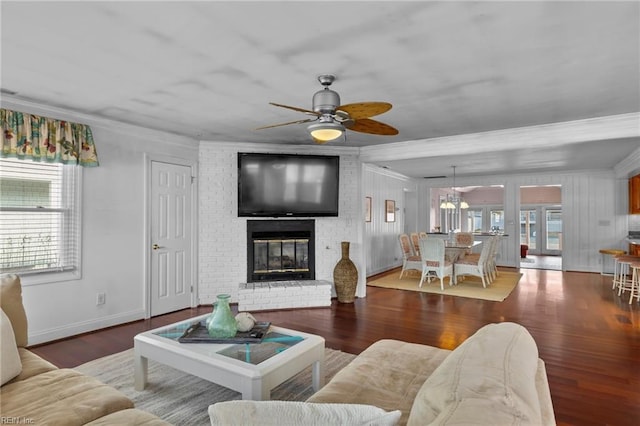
<point>101,299</point>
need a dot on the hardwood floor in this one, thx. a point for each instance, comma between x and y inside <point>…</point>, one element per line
<point>588,337</point>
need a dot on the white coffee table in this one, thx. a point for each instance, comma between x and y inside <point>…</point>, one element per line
<point>226,364</point>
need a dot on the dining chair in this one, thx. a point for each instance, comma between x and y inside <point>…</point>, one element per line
<point>433,260</point>
<point>409,260</point>
<point>492,260</point>
<point>475,266</point>
<point>464,239</point>
<point>422,234</point>
<point>414,241</point>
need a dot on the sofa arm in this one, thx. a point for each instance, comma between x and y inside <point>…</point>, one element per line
<point>281,413</point>
<point>489,379</point>
<point>11,304</point>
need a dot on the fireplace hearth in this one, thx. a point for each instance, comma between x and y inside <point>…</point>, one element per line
<point>280,250</point>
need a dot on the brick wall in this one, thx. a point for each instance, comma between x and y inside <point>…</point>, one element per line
<point>284,294</point>
<point>222,234</point>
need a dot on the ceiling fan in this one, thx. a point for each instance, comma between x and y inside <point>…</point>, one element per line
<point>330,119</point>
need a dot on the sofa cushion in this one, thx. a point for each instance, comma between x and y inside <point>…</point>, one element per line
<point>60,397</point>
<point>32,365</point>
<point>11,304</point>
<point>280,413</point>
<point>10,365</point>
<point>388,374</point>
<point>489,379</point>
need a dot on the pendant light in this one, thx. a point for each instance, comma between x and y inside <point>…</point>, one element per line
<point>454,202</point>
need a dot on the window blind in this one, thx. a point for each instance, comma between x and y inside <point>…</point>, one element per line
<point>39,217</point>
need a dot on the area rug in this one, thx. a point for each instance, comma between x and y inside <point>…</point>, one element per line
<point>182,399</point>
<point>470,287</point>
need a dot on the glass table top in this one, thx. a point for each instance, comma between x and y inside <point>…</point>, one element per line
<point>252,353</point>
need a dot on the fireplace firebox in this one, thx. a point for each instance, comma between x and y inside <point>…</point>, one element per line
<point>280,250</point>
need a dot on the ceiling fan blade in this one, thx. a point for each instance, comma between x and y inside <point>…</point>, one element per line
<point>365,109</point>
<point>286,124</point>
<point>366,125</point>
<point>306,111</point>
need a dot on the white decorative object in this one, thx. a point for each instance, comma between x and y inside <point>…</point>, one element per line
<point>245,321</point>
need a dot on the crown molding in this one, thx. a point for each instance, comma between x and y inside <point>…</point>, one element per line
<point>630,166</point>
<point>280,148</point>
<point>30,107</point>
<point>539,137</point>
<point>386,172</point>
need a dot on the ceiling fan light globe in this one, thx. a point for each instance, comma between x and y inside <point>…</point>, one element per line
<point>325,131</point>
<point>464,205</point>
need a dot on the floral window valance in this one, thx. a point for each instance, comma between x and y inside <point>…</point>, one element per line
<point>27,136</point>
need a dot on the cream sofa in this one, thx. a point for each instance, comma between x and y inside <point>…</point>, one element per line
<point>36,392</point>
<point>493,378</point>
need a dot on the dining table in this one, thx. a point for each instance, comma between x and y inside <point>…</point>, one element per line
<point>453,251</point>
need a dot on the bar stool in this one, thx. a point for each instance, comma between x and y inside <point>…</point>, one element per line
<point>635,280</point>
<point>611,252</point>
<point>622,278</point>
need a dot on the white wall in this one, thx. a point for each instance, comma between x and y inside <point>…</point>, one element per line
<point>222,234</point>
<point>113,244</point>
<point>381,237</point>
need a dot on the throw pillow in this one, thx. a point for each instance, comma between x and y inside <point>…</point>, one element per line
<point>279,413</point>
<point>11,304</point>
<point>489,379</point>
<point>10,365</point>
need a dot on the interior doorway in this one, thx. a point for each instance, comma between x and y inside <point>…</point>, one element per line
<point>170,237</point>
<point>541,226</point>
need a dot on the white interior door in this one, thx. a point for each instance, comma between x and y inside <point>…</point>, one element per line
<point>171,233</point>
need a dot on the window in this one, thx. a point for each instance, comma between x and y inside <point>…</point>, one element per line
<point>474,220</point>
<point>497,220</point>
<point>485,219</point>
<point>39,217</point>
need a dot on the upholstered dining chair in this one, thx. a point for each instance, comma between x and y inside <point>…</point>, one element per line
<point>409,260</point>
<point>476,266</point>
<point>433,260</point>
<point>422,234</point>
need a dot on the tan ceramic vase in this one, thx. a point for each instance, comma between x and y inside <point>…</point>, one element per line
<point>345,277</point>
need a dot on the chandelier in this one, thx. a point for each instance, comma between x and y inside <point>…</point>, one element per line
<point>453,202</point>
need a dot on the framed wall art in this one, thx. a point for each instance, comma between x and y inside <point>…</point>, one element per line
<point>367,209</point>
<point>390,211</point>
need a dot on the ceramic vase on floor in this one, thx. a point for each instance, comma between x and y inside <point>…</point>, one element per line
<point>345,276</point>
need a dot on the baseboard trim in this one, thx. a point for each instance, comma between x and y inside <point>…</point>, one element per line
<point>68,330</point>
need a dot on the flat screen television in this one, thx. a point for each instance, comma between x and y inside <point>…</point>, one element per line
<point>287,185</point>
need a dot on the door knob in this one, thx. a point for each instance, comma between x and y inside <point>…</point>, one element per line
<point>156,247</point>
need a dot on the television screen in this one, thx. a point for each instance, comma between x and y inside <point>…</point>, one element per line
<point>280,185</point>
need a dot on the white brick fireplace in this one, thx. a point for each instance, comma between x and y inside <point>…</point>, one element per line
<point>222,245</point>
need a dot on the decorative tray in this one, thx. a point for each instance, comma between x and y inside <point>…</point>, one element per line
<point>198,333</point>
